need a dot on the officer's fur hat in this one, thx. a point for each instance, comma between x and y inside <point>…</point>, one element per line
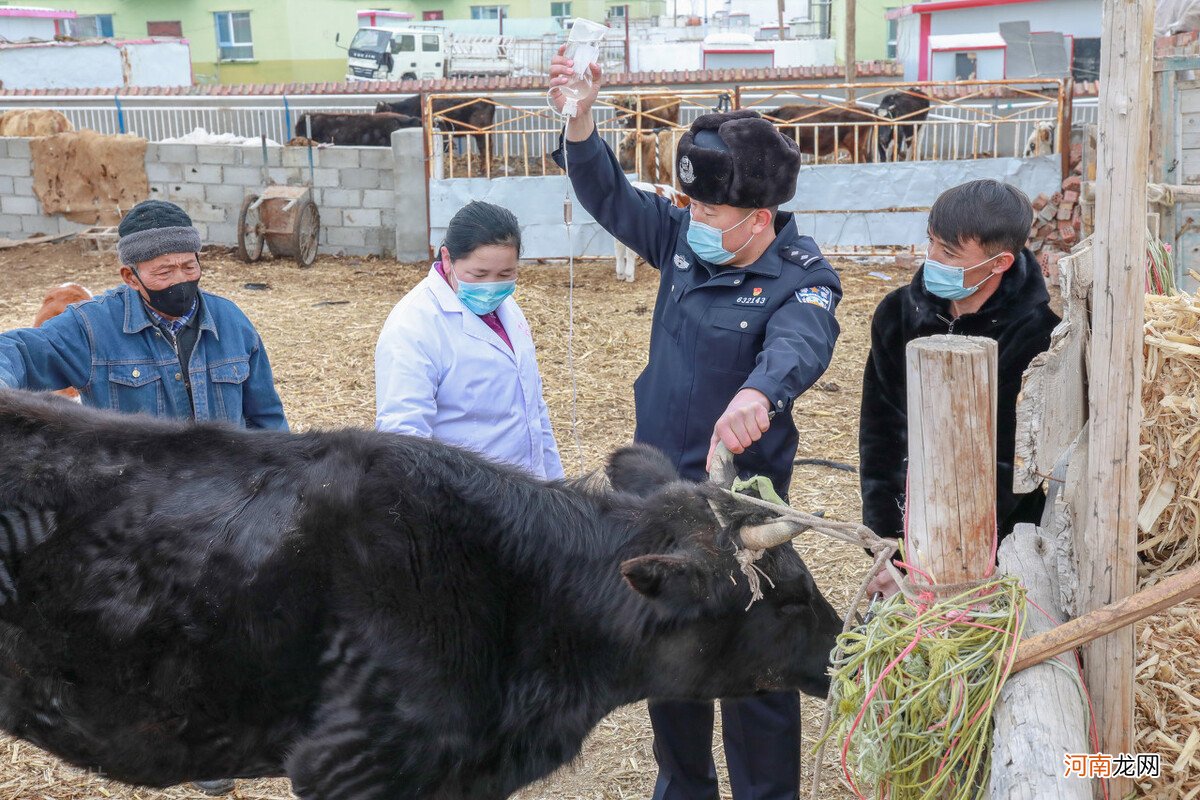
<point>737,159</point>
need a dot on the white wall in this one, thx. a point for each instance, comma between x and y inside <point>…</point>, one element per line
<point>908,45</point>
<point>63,66</point>
<point>19,29</point>
<point>159,64</point>
<point>658,56</point>
<point>59,67</point>
<point>1080,18</point>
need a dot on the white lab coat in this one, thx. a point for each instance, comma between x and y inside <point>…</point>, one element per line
<point>442,373</point>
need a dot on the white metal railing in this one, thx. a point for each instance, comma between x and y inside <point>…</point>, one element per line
<point>158,118</point>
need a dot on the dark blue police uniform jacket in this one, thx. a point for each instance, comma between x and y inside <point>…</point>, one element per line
<point>769,326</point>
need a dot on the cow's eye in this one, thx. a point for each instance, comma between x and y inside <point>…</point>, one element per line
<point>794,608</point>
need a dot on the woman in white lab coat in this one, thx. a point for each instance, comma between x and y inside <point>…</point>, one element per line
<point>455,361</point>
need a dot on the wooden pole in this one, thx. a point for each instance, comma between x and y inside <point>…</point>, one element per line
<point>780,7</point>
<point>1107,548</point>
<point>851,34</point>
<point>1171,592</point>
<point>951,456</point>
<point>626,38</point>
<point>1041,714</point>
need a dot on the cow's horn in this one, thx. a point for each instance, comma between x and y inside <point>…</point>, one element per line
<point>723,473</point>
<point>769,534</point>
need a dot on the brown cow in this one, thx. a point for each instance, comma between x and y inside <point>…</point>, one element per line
<point>456,114</point>
<point>656,111</point>
<point>358,130</point>
<point>821,131</point>
<point>54,303</point>
<point>657,155</point>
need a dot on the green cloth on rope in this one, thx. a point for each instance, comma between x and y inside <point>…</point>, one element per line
<point>759,486</point>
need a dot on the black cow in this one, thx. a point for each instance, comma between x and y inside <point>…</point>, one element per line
<point>457,114</point>
<point>910,106</point>
<point>372,615</point>
<point>359,130</point>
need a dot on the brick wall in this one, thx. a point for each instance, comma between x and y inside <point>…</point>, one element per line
<point>353,189</point>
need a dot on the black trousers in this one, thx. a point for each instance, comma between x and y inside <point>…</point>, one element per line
<point>762,747</point>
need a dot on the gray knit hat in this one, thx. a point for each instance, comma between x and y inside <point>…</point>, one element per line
<point>154,228</point>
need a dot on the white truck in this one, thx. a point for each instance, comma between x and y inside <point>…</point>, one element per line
<point>424,52</point>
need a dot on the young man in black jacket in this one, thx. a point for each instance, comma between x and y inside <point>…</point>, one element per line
<point>978,279</point>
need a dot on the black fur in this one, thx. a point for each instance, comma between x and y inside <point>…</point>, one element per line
<point>375,616</point>
<point>758,168</point>
<point>354,130</point>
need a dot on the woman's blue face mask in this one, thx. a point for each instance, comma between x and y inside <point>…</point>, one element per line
<point>708,242</point>
<point>945,281</point>
<point>483,297</point>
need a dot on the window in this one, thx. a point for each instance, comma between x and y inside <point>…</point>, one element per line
<point>166,28</point>
<point>488,12</point>
<point>429,43</point>
<point>404,44</point>
<point>1086,64</point>
<point>561,10</point>
<point>964,66</point>
<point>233,36</point>
<point>893,35</point>
<point>613,11</point>
<point>432,15</point>
<point>92,26</point>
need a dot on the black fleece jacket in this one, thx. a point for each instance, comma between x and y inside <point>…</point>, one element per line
<point>1018,317</point>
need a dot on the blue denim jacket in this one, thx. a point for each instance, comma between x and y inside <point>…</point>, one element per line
<point>110,351</point>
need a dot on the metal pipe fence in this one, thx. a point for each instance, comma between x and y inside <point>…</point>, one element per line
<point>989,119</point>
<point>524,132</point>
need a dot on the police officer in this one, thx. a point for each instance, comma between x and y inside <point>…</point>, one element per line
<point>743,324</point>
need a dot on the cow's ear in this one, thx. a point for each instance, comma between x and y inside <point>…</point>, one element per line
<point>661,576</point>
<point>640,469</point>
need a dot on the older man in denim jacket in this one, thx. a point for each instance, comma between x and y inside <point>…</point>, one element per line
<point>157,345</point>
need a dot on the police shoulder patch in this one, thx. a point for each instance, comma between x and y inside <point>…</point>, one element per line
<point>816,295</point>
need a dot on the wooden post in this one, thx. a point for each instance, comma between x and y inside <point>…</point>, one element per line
<point>780,7</point>
<point>951,456</point>
<point>1107,548</point>
<point>851,34</point>
<point>1041,714</point>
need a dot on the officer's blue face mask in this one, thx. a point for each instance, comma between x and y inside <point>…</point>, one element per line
<point>483,297</point>
<point>708,242</point>
<point>945,281</point>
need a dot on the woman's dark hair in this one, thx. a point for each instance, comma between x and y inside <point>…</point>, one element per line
<point>995,214</point>
<point>479,224</point>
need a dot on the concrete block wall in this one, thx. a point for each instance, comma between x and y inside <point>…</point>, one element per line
<point>353,188</point>
<point>21,214</point>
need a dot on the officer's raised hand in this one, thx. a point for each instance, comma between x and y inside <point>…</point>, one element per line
<point>745,420</point>
<point>562,73</point>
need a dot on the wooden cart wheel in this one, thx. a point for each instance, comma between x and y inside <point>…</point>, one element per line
<point>250,231</point>
<point>306,233</point>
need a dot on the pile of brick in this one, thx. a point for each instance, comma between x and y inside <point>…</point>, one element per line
<point>1058,218</point>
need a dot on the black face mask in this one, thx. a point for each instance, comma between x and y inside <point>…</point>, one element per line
<point>175,300</point>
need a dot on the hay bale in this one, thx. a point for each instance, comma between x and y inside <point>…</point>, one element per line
<point>34,122</point>
<point>89,177</point>
<point>1169,517</point>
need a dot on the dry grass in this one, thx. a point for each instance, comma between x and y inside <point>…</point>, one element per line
<point>1168,681</point>
<point>320,327</point>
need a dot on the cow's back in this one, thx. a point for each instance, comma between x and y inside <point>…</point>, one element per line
<point>176,604</point>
